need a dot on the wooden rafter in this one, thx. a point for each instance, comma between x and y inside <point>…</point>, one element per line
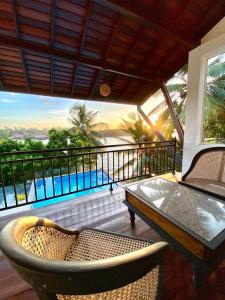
<point>112,38</point>
<point>139,91</point>
<point>25,70</point>
<point>93,86</point>
<point>173,112</point>
<point>211,12</point>
<point>172,53</point>
<point>1,83</point>
<point>126,8</point>
<point>90,4</point>
<point>74,80</point>
<point>52,75</point>
<point>125,88</point>
<point>13,5</point>
<point>134,47</point>
<point>33,46</point>
<point>52,37</point>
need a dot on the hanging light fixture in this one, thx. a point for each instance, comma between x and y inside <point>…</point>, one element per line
<point>105,89</point>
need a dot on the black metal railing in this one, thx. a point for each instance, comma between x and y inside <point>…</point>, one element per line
<point>29,177</point>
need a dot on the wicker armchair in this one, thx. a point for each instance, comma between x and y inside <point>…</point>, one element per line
<point>207,172</point>
<point>88,264</point>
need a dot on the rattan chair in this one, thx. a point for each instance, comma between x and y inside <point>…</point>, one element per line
<point>88,264</point>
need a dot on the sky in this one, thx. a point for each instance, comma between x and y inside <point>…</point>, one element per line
<point>23,110</point>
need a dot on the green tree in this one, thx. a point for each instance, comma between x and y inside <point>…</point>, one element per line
<point>58,138</point>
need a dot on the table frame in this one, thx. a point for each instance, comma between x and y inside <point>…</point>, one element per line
<point>201,267</point>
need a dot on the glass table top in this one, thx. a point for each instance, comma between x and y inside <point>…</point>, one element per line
<point>199,213</point>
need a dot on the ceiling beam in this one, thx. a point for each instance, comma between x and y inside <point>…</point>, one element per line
<point>125,88</point>
<point>25,70</point>
<point>89,8</point>
<point>13,5</point>
<point>127,9</point>
<point>74,80</point>
<point>1,83</point>
<point>112,38</point>
<point>93,86</point>
<point>57,53</point>
<point>134,47</point>
<point>52,37</point>
<point>52,75</point>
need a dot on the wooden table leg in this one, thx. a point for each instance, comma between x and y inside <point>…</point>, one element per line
<point>197,277</point>
<point>132,215</point>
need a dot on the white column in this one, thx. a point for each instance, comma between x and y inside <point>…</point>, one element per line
<point>197,68</point>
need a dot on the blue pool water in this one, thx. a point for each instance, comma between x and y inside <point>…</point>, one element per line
<point>81,180</point>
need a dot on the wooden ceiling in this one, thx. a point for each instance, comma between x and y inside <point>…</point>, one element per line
<point>67,48</point>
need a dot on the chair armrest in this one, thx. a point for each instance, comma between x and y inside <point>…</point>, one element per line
<point>84,277</point>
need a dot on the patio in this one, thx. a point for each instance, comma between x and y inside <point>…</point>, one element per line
<point>71,49</point>
<point>106,211</point>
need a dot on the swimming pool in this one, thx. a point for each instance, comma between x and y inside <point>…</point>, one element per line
<point>73,183</point>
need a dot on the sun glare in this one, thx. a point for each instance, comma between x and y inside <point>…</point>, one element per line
<point>153,118</point>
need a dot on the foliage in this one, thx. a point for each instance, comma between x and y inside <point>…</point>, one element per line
<point>84,123</point>
<point>137,129</point>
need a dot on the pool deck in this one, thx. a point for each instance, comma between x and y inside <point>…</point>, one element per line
<point>105,210</point>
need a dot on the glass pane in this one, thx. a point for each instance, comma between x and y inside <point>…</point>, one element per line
<point>197,212</point>
<point>214,105</point>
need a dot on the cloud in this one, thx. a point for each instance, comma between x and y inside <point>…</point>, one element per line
<point>8,101</point>
<point>58,112</point>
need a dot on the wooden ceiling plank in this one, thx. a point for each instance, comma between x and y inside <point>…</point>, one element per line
<point>112,37</point>
<point>139,91</point>
<point>121,7</point>
<point>134,47</point>
<point>123,92</point>
<point>57,53</point>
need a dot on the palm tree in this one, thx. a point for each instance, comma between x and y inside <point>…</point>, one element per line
<point>84,123</point>
<point>214,99</point>
<point>136,128</point>
<point>141,159</point>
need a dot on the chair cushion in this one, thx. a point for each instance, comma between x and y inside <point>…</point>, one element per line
<point>95,245</point>
<point>213,186</point>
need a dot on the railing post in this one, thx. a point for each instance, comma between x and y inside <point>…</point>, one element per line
<point>174,156</point>
<point>111,187</point>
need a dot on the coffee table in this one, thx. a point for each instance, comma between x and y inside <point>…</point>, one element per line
<point>190,221</point>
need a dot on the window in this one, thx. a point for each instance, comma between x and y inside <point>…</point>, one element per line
<point>214,103</point>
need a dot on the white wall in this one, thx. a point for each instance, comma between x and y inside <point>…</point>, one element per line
<point>195,96</point>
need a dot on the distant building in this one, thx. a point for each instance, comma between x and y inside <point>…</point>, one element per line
<point>40,137</point>
<point>17,136</point>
